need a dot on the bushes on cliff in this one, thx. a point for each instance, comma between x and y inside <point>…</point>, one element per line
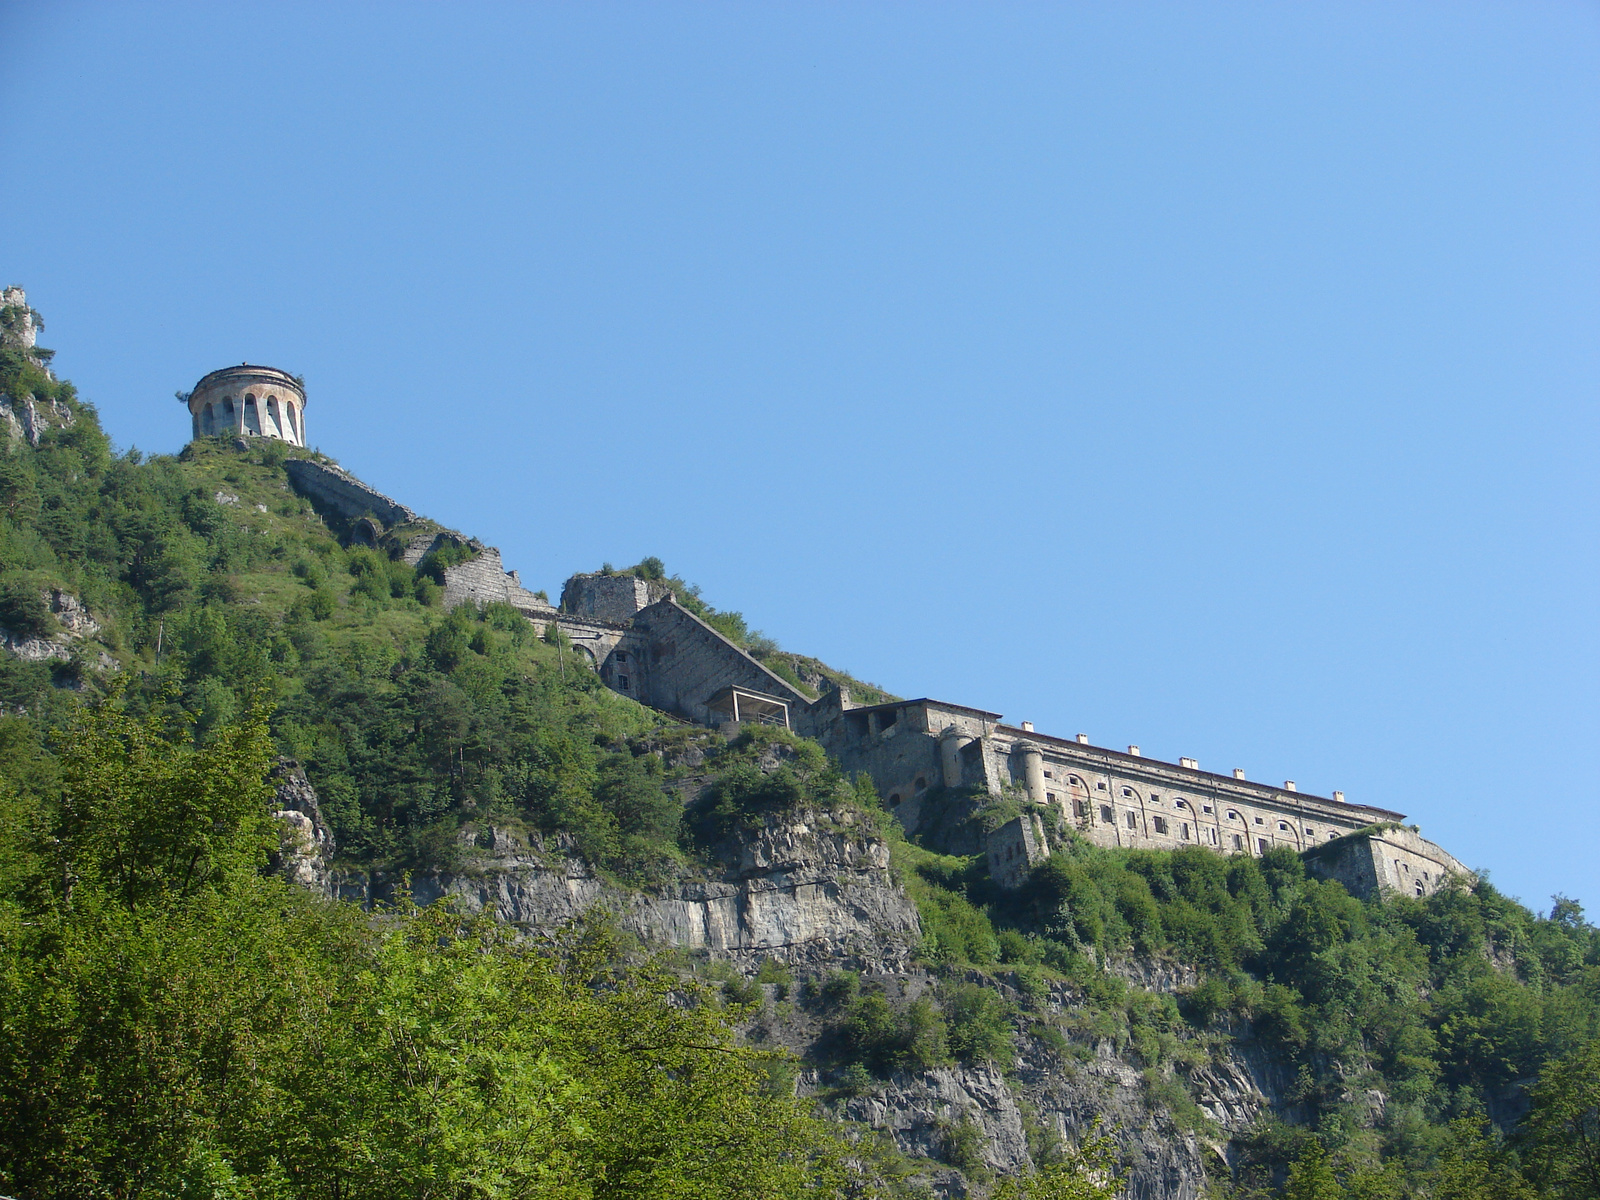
<point>172,1023</point>
<point>884,1038</point>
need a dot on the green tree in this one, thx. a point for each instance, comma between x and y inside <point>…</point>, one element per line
<point>1311,1175</point>
<point>1087,1172</point>
<point>1563,1125</point>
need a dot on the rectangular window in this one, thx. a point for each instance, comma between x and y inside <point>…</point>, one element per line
<point>1050,796</point>
<point>622,682</point>
<point>1047,775</point>
<point>1259,821</point>
<point>1261,845</point>
<point>1155,797</point>
<point>1186,831</point>
<point>1101,785</point>
<point>1238,842</point>
<point>1161,824</point>
<point>1133,821</point>
<point>1207,807</point>
<point>1105,814</point>
<point>1213,834</point>
<point>1079,808</point>
<point>622,656</point>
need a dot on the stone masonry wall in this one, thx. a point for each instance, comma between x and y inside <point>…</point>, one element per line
<point>610,597</point>
<point>1386,859</point>
<point>1015,849</point>
<point>344,493</point>
<point>484,580</point>
<point>687,662</point>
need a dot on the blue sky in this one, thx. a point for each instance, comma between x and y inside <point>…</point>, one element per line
<point>1220,378</point>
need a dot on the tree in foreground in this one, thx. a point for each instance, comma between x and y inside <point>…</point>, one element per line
<point>175,1024</point>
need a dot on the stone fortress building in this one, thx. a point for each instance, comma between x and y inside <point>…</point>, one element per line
<point>249,401</point>
<point>925,756</point>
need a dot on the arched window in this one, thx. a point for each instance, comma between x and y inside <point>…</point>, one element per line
<point>252,415</point>
<point>274,422</point>
<point>208,420</point>
<point>294,426</point>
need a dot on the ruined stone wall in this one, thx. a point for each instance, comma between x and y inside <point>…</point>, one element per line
<point>484,580</point>
<point>615,598</point>
<point>687,662</point>
<point>341,491</point>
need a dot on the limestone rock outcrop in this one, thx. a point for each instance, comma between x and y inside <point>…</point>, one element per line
<point>74,626</point>
<point>800,891</point>
<point>305,844</point>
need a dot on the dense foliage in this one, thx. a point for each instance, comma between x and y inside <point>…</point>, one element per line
<point>1448,1007</point>
<point>175,1024</point>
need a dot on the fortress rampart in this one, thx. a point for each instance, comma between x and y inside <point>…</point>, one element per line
<point>921,754</point>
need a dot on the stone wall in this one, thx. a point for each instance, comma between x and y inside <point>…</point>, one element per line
<point>1015,849</point>
<point>484,580</point>
<point>341,491</point>
<point>686,662</point>
<point>615,598</point>
<point>1386,858</point>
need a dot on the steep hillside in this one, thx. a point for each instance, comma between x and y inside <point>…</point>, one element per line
<point>1235,1025</point>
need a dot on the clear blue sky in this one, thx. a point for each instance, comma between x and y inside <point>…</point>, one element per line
<point>1220,378</point>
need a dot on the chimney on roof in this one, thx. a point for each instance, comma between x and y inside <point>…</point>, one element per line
<point>1238,772</point>
<point>1027,727</point>
<point>1083,739</point>
<point>1288,785</point>
<point>1192,763</point>
<point>1339,796</point>
<point>1133,750</point>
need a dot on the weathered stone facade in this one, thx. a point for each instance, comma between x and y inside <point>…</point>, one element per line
<point>1016,848</point>
<point>615,598</point>
<point>328,484</point>
<point>1385,858</point>
<point>249,401</point>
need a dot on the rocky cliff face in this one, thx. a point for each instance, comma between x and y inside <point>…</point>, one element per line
<point>305,844</point>
<point>802,890</point>
<point>815,891</point>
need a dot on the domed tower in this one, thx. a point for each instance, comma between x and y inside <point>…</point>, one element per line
<point>252,401</point>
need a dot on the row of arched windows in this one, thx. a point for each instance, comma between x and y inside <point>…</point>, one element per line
<point>278,419</point>
<point>1160,826</point>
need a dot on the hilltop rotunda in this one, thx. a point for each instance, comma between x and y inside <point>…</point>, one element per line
<point>255,401</point>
